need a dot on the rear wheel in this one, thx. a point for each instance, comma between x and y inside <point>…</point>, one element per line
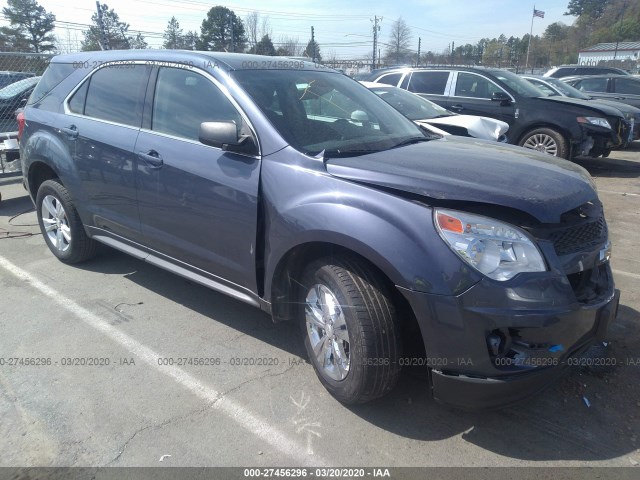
<point>350,329</point>
<point>60,224</point>
<point>547,141</point>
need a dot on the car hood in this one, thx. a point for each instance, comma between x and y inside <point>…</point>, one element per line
<point>466,169</point>
<point>479,127</point>
<point>586,104</point>
<point>623,107</point>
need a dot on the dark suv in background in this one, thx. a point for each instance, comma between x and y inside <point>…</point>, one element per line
<point>238,172</point>
<point>625,89</point>
<point>570,70</point>
<point>558,126</point>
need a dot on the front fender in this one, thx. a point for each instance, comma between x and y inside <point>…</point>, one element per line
<point>394,233</point>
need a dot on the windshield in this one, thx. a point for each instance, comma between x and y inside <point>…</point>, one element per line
<point>409,104</point>
<point>518,84</point>
<point>18,87</point>
<point>322,111</point>
<point>567,89</point>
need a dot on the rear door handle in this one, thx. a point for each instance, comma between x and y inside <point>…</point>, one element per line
<point>151,158</point>
<point>71,131</point>
<point>457,108</point>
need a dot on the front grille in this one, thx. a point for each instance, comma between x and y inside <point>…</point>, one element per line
<point>579,237</point>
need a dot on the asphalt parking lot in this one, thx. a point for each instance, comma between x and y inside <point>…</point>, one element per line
<point>133,410</point>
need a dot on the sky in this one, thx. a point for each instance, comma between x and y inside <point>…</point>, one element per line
<point>342,28</point>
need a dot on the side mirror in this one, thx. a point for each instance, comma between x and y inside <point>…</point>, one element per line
<point>225,135</point>
<point>501,97</point>
<point>219,134</point>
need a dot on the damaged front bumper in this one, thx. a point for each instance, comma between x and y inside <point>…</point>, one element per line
<point>498,343</point>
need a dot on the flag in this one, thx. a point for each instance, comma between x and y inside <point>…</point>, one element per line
<point>538,13</point>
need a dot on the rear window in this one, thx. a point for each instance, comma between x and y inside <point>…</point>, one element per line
<point>53,75</point>
<point>390,79</point>
<point>116,94</point>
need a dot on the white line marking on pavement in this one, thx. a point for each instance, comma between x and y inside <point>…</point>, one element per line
<point>251,422</point>
<point>626,274</point>
<point>624,194</point>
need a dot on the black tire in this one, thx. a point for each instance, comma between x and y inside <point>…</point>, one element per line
<point>372,324</point>
<point>545,140</point>
<point>78,247</point>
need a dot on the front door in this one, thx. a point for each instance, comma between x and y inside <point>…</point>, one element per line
<point>198,204</point>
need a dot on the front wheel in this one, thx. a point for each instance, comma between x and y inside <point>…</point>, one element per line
<point>547,141</point>
<point>60,224</point>
<point>351,329</point>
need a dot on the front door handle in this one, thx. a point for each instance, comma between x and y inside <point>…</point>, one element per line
<point>71,131</point>
<point>151,158</point>
<point>457,108</point>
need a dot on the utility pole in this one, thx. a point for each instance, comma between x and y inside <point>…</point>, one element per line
<point>313,46</point>
<point>418,61</point>
<point>103,41</point>
<point>233,46</point>
<point>453,47</point>
<point>615,53</point>
<point>376,29</point>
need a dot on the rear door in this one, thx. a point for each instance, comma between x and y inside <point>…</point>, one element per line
<point>198,204</point>
<point>471,95</point>
<point>432,84</point>
<point>103,120</point>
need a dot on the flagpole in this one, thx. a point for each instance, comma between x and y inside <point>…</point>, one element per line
<point>526,65</point>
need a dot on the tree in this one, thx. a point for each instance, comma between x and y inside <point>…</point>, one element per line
<point>313,51</point>
<point>589,8</point>
<point>289,47</point>
<point>399,42</point>
<point>11,39</point>
<point>251,21</point>
<point>31,22</point>
<point>222,30</point>
<point>115,33</point>
<point>138,42</point>
<point>265,46</point>
<point>191,40</point>
<point>173,37</point>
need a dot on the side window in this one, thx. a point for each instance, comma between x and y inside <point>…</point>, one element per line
<point>184,99</point>
<point>593,85</point>
<point>474,86</point>
<point>76,103</point>
<point>390,79</point>
<point>628,86</point>
<point>433,83</point>
<point>116,94</point>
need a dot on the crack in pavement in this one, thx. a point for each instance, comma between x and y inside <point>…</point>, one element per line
<point>197,411</point>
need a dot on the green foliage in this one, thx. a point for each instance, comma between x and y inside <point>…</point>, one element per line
<point>265,46</point>
<point>31,26</point>
<point>115,33</point>
<point>219,28</point>
<point>588,8</point>
<point>313,51</point>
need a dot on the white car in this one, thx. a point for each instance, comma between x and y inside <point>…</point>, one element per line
<point>437,119</point>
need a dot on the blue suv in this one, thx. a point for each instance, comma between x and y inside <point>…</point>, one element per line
<point>243,173</point>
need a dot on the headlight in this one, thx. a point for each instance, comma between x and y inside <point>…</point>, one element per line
<point>496,249</point>
<point>600,122</point>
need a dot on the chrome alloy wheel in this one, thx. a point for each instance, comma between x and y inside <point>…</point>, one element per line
<point>542,143</point>
<point>328,333</point>
<point>56,224</point>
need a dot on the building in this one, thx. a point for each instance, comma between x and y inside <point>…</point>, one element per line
<point>606,52</point>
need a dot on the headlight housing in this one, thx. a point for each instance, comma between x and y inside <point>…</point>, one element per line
<point>598,121</point>
<point>494,248</point>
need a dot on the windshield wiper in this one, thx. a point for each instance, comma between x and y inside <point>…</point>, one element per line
<point>348,153</point>
<point>411,141</point>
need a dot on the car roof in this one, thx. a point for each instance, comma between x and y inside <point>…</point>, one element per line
<point>224,60</point>
<point>606,75</point>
